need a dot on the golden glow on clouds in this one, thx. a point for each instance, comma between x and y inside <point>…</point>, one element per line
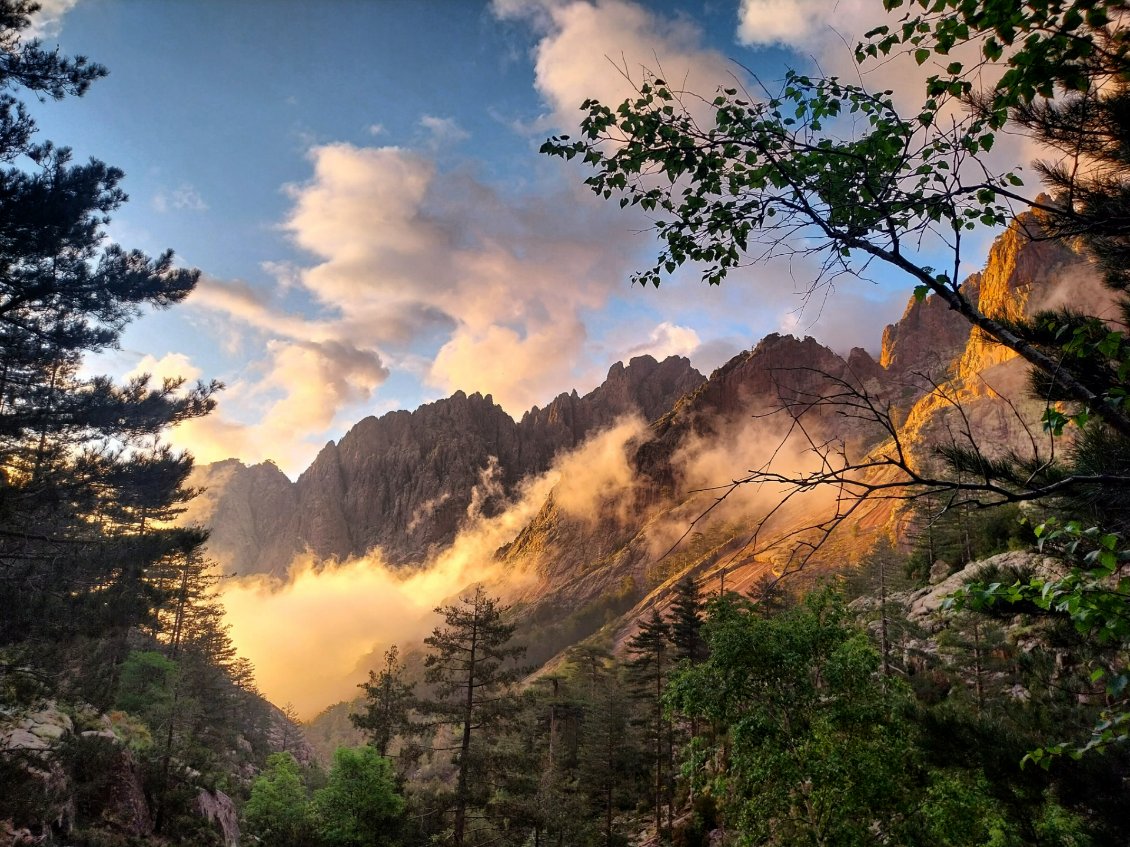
<point>402,253</point>
<point>309,637</point>
<point>312,637</point>
<point>169,366</point>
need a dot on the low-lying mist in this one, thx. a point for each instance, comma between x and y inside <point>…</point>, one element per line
<point>312,636</point>
<point>309,635</point>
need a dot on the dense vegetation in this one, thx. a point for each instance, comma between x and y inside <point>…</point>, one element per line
<point>809,719</point>
<point>111,640</point>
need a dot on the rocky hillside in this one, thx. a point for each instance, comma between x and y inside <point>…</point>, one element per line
<point>406,482</point>
<point>771,408</point>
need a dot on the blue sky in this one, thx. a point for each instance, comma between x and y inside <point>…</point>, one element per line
<point>360,184</point>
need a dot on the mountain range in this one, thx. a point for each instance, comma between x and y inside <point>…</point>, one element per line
<point>637,474</point>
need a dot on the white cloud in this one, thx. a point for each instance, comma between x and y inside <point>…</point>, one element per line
<point>667,339</point>
<point>520,369</point>
<point>443,130</point>
<point>48,20</point>
<point>184,197</point>
<point>797,23</point>
<point>169,366</point>
<point>604,49</point>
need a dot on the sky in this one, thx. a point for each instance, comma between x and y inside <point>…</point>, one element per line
<point>360,184</point>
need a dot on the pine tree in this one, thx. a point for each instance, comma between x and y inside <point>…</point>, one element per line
<point>881,573</point>
<point>470,666</point>
<point>651,649</point>
<point>686,622</point>
<point>609,754</point>
<point>84,477</point>
<point>388,700</point>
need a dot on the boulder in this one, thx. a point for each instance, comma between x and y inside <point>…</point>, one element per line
<point>219,810</point>
<point>925,603</point>
<point>939,571</point>
<point>22,739</point>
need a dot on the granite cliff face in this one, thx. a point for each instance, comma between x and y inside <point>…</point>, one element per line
<point>929,362</point>
<point>407,481</point>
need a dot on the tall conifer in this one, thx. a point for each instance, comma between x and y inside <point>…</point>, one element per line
<point>470,666</point>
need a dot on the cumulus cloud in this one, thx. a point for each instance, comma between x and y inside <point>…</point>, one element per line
<point>169,366</point>
<point>797,23</point>
<point>405,251</point>
<point>603,50</point>
<point>301,389</point>
<point>316,380</point>
<point>218,436</point>
<point>435,273</point>
<point>667,339</point>
<point>516,367</point>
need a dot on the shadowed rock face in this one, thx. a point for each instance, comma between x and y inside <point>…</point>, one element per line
<point>405,481</point>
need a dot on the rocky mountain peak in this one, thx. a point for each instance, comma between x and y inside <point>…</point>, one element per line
<point>404,481</point>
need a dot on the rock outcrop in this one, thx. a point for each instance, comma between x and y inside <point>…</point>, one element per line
<point>219,810</point>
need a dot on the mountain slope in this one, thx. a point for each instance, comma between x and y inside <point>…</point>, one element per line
<point>940,382</point>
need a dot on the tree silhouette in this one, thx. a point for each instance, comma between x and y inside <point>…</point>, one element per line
<point>470,666</point>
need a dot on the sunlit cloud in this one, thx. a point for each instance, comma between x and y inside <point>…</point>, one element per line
<point>500,282</point>
<point>797,23</point>
<point>667,339</point>
<point>353,609</point>
<point>169,366</point>
<point>438,275</point>
<point>604,49</point>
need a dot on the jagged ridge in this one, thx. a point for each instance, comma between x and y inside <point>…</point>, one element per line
<point>403,482</point>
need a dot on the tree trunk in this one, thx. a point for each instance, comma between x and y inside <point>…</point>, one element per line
<point>465,747</point>
<point>884,634</point>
